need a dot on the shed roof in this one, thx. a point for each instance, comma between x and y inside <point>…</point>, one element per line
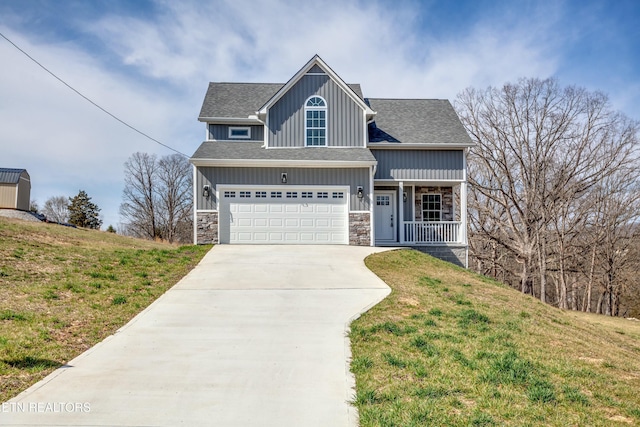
<point>254,151</point>
<point>240,100</point>
<point>11,175</point>
<point>416,121</point>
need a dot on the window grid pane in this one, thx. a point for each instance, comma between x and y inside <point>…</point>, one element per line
<point>431,207</point>
<point>316,122</point>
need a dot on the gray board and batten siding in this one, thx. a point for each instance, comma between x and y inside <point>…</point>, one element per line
<point>221,132</point>
<point>345,118</point>
<point>420,165</point>
<point>352,177</point>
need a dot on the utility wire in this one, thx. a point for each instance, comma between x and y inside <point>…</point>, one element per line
<point>89,100</point>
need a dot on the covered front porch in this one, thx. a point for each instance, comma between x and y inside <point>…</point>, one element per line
<point>420,213</point>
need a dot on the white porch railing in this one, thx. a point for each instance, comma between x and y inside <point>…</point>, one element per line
<point>418,232</point>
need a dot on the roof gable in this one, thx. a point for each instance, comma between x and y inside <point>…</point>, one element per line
<point>315,66</point>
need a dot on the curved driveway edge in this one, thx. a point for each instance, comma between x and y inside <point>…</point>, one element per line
<point>253,336</point>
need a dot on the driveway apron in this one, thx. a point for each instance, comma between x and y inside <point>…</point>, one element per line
<point>253,336</point>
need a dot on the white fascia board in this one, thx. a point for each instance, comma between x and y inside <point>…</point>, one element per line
<point>316,60</point>
<point>231,120</point>
<point>413,146</point>
<point>281,163</point>
<point>435,182</point>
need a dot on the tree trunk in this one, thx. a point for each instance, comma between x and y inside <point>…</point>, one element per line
<point>542,257</point>
<point>592,268</point>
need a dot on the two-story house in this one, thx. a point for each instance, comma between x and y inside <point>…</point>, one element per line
<point>312,161</point>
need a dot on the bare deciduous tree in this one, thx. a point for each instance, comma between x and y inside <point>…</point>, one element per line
<point>56,209</point>
<point>540,151</point>
<point>157,198</point>
<point>139,196</point>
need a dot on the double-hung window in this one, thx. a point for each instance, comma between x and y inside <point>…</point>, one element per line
<point>315,111</point>
<point>431,207</point>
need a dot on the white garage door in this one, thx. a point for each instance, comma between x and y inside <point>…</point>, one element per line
<point>305,215</point>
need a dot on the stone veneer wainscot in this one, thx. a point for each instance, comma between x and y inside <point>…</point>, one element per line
<point>207,228</point>
<point>360,228</point>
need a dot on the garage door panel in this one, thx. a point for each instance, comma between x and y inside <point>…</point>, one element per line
<point>291,237</point>
<point>322,222</point>
<point>276,236</point>
<point>245,222</point>
<point>323,209</point>
<point>306,222</point>
<point>292,222</point>
<point>303,216</point>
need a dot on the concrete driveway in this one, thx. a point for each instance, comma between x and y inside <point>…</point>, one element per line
<point>253,336</point>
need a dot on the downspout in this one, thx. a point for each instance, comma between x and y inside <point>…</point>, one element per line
<point>372,172</point>
<point>195,206</point>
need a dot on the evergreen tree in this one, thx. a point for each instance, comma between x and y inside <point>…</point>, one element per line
<point>84,213</point>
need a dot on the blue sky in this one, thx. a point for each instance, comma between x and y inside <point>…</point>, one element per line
<point>149,62</point>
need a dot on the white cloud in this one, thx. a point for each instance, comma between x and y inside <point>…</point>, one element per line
<point>65,143</point>
<point>154,71</point>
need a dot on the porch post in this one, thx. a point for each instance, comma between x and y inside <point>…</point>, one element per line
<point>400,221</point>
<point>463,212</point>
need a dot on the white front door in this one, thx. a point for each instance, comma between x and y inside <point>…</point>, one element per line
<point>384,214</point>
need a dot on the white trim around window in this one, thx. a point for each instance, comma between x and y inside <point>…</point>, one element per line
<point>239,132</point>
<point>433,206</point>
<point>315,121</point>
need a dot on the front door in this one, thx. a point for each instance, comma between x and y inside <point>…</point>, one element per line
<point>384,214</point>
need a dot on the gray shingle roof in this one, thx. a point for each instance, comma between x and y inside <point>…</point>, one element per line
<point>240,100</point>
<point>253,151</point>
<point>416,121</point>
<point>10,175</point>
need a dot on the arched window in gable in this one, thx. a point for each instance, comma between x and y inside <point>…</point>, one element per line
<point>315,110</point>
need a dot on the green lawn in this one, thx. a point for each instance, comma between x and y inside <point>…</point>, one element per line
<point>451,348</point>
<point>62,290</point>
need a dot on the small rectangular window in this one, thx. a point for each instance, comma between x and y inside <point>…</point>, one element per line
<point>245,194</point>
<point>307,194</point>
<point>323,195</point>
<point>261,194</point>
<point>338,195</point>
<point>230,194</point>
<point>239,132</point>
<point>276,194</point>
<point>292,194</point>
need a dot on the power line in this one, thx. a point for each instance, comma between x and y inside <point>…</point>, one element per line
<point>89,100</point>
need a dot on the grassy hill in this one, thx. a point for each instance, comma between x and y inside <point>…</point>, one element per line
<point>62,290</point>
<point>451,348</point>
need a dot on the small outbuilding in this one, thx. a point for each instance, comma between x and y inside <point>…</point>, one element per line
<point>15,189</point>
